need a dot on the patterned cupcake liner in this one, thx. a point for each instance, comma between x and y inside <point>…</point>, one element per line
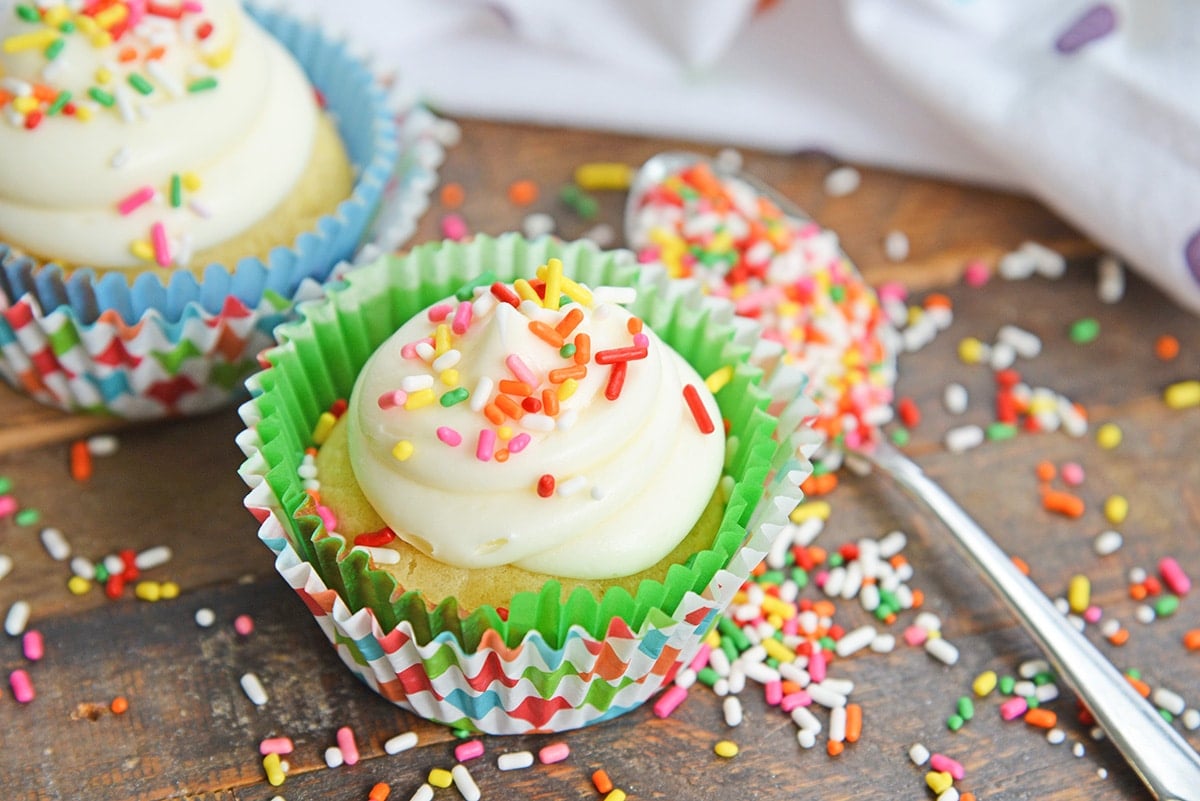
<point>550,665</point>
<point>83,342</point>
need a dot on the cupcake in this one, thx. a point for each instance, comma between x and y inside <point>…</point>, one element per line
<point>496,474</point>
<point>172,176</point>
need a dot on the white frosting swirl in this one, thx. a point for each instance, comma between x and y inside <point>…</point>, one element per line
<point>641,469</point>
<point>247,139</point>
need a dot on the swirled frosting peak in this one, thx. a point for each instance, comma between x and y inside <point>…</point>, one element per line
<point>536,424</point>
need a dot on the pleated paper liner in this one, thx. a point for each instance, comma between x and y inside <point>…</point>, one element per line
<point>82,342</point>
<point>552,665</point>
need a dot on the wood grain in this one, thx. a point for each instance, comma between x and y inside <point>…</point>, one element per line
<point>191,733</point>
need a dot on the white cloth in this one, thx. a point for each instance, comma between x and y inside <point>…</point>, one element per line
<point>1105,131</point>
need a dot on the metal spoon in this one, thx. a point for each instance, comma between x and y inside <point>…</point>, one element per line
<point>1162,759</point>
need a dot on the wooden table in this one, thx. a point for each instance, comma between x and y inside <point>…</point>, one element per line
<point>190,732</point>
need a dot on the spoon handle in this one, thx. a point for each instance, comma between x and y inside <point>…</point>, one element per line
<point>1161,757</point>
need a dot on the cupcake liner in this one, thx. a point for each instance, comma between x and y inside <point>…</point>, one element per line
<point>551,665</point>
<point>147,349</point>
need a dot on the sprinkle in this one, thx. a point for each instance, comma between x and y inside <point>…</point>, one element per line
<point>390,400</point>
<point>253,689</point>
<point>471,749</point>
<point>449,436</point>
<point>17,618</point>
<point>518,444</point>
<point>135,200</point>
<point>1063,503</point>
<point>616,381</point>
<point>401,742</point>
<point>546,333</point>
<point>453,397</point>
<point>1182,395</point>
<point>617,355</point>
<point>380,791</point>
<point>555,752</point>
<point>402,451</point>
<point>518,760</point>
<point>486,445</point>
<point>1084,330</point>
<point>1108,436</point>
<point>726,749</point>
<point>520,370</point>
<point>545,484</point>
<point>162,249</point>
<point>563,374</point>
<point>202,84</point>
<point>462,318</point>
<point>243,625</point>
<point>419,399</point>
<point>842,181</point>
<point>465,783</point>
<point>274,769</point>
<point>22,686</point>
<point>276,745</point>
<point>140,84</point>
<point>699,412</point>
<point>347,744</point>
<point>1174,576</point>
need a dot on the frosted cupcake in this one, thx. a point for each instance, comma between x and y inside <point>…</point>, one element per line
<point>168,164</point>
<point>524,470</point>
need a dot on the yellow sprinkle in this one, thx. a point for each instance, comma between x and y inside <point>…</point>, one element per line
<point>603,175</point>
<point>323,427</point>
<point>78,585</point>
<point>148,590</point>
<point>553,283</point>
<point>402,450</point>
<point>719,379</point>
<point>576,292</point>
<point>984,683</point>
<point>810,509</point>
<point>505,433</point>
<point>1079,593</point>
<point>775,621</point>
<point>615,794</point>
<point>939,781</point>
<point>83,112</point>
<point>449,377</point>
<point>191,181</point>
<point>774,606</point>
<point>168,590</point>
<point>219,58</point>
<point>1108,436</point>
<point>440,777</point>
<point>441,339</point>
<point>1182,395</point>
<point>34,40</point>
<point>1042,404</point>
<point>970,350</point>
<point>86,25</point>
<point>933,634</point>
<point>525,291</point>
<point>726,749</point>
<point>567,388</point>
<point>100,39</point>
<point>713,638</point>
<point>25,104</point>
<point>111,16</point>
<point>915,313</point>
<point>273,767</point>
<point>419,399</point>
<point>56,16</point>
<point>777,650</point>
<point>103,75</point>
<point>142,249</point>
<point>1116,509</point>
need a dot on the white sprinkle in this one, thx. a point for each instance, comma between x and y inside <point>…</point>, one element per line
<point>963,438</point>
<point>1078,750</point>
<point>114,565</point>
<point>954,398</point>
<point>518,760</point>
<point>1102,773</point>
<point>685,678</point>
<point>446,360</point>
<point>254,689</point>
<point>824,696</point>
<point>869,597</point>
<point>602,234</point>
<point>760,672</point>
<point>1190,719</point>
<point>1048,263</point>
<point>205,617</point>
<point>942,650</point>
<point>401,742</point>
<point>156,556</point>
<point>842,181</point>
<point>1137,575</point>
<point>1110,284</point>
<point>1032,667</point>
<point>446,132</point>
<point>538,422</point>
<point>1002,357</point>
<point>1016,265</point>
<point>17,618</point>
<point>333,757</point>
<point>1026,344</point>
<point>6,565</point>
<point>1024,688</point>
<point>164,78</point>
<point>537,225</point>
<point>483,391</point>
<point>566,420</point>
<point>732,708</point>
<point>1107,542</point>
<point>728,160</point>
<point>380,556</point>
<point>1169,700</point>
<point>928,621</point>
<point>120,158</point>
<point>949,794</point>
<point>1045,693</point>
<point>837,724</point>
<point>1056,736</point>
<point>919,754</point>
<point>55,544</point>
<point>1110,627</point>
<point>807,738</point>
<point>805,719</point>
<point>895,246</point>
<point>598,493</point>
<point>465,782</point>
<point>414,383</point>
<point>892,543</point>
<point>884,644</point>
<point>1144,613</point>
<point>1096,733</point>
<point>200,208</point>
<point>854,641</point>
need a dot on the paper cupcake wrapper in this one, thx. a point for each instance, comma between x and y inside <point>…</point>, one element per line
<point>147,350</point>
<point>551,665</point>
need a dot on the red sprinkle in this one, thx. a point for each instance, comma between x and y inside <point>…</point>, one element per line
<point>616,381</point>
<point>545,485</point>
<point>696,405</point>
<point>617,355</point>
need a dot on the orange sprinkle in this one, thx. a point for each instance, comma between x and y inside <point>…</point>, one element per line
<point>1046,471</point>
<point>937,301</point>
<point>567,324</point>
<point>789,687</point>
<point>1166,347</point>
<point>898,561</point>
<point>452,195</point>
<point>1064,503</point>
<point>156,52</point>
<point>817,554</point>
<point>509,406</point>
<point>492,412</point>
<point>816,485</point>
<point>968,796</point>
<point>834,748</point>
<point>550,402</point>
<point>561,374</point>
<point>501,455</point>
<point>854,722</point>
<point>1138,592</point>
<point>918,598</point>
<point>824,608</point>
<point>1142,687</point>
<point>544,332</point>
<point>890,619</point>
<point>583,348</point>
<point>759,569</point>
<point>511,387</point>
<point>1020,564</point>
<point>601,782</point>
<point>634,325</point>
<point>44,93</point>
<point>119,705</point>
<point>81,461</point>
<point>522,193</point>
<point>1191,639</point>
<point>1041,717</point>
<point>126,54</point>
<point>1119,637</point>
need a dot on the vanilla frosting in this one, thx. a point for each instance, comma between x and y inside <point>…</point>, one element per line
<point>208,100</point>
<point>631,475</point>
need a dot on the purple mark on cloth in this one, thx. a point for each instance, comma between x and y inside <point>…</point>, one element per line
<point>1191,256</point>
<point>1097,22</point>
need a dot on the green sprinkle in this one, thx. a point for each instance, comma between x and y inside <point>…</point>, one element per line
<point>900,437</point>
<point>456,395</point>
<point>1031,701</point>
<point>54,48</point>
<point>888,598</point>
<point>800,576</point>
<point>63,98</point>
<point>771,662</point>
<point>67,26</point>
<point>467,290</point>
<point>836,560</point>
<point>1166,605</point>
<point>1134,673</point>
<point>27,517</point>
<point>1084,330</point>
<point>1043,678</point>
<point>567,350</point>
<point>100,96</point>
<point>1167,716</point>
<point>463,734</point>
<point>954,723</point>
<point>966,707</point>
<point>139,83</point>
<point>837,292</point>
<point>827,643</point>
<point>729,648</point>
<point>5,484</point>
<point>771,577</point>
<point>202,84</point>
<point>707,676</point>
<point>101,574</point>
<point>579,201</point>
<point>998,431</point>
<point>176,190</point>
<point>1006,684</point>
<point>28,13</point>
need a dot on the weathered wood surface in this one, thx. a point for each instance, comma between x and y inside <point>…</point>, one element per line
<point>191,733</point>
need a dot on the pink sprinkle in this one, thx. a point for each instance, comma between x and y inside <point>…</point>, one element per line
<point>276,745</point>
<point>439,312</point>
<point>518,443</point>
<point>454,227</point>
<point>22,687</point>
<point>162,248</point>
<point>520,370</point>
<point>791,626</point>
<point>555,752</point>
<point>32,645</point>
<point>192,6</point>
<point>449,436</point>
<point>821,577</point>
<point>701,659</point>
<point>1173,576</point>
<point>8,505</point>
<point>327,517</point>
<point>243,625</point>
<point>669,701</point>
<point>462,318</point>
<point>486,445</point>
<point>135,200</point>
<point>1092,614</point>
<point>816,666</point>
<point>793,700</point>
<point>349,748</point>
<point>915,635</point>
<point>409,351</point>
<point>892,290</point>
<point>773,692</point>
<point>976,273</point>
<point>469,750</point>
<point>944,764</point>
<point>1013,708</point>
<point>640,340</point>
<point>389,400</point>
<point>1072,474</point>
